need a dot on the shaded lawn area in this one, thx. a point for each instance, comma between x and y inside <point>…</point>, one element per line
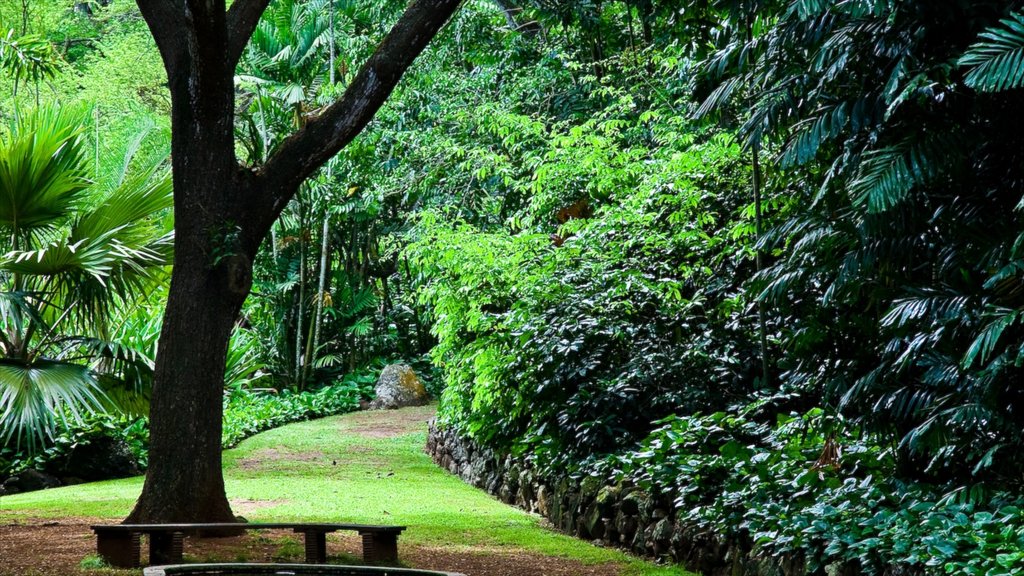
<point>365,467</point>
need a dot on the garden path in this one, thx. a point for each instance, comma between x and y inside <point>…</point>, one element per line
<point>366,467</point>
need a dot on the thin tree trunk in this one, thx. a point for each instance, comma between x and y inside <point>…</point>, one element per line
<point>331,40</point>
<point>512,12</point>
<point>420,340</point>
<point>24,17</point>
<point>314,342</point>
<point>300,310</point>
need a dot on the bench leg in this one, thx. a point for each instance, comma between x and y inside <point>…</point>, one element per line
<point>316,547</point>
<point>380,548</point>
<point>119,549</point>
<point>165,548</point>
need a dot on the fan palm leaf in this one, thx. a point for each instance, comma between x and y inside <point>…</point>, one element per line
<point>34,397</point>
<point>75,255</point>
<point>42,170</point>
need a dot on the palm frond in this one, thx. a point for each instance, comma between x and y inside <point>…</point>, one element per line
<point>997,62</point>
<point>35,396</point>
<point>42,169</point>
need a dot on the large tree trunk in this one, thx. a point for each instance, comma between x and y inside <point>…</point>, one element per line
<point>223,211</point>
<point>184,481</point>
<point>211,279</point>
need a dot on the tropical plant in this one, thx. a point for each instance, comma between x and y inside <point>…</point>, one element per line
<point>74,256</point>
<point>26,58</point>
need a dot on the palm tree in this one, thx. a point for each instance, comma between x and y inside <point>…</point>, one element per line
<point>73,255</point>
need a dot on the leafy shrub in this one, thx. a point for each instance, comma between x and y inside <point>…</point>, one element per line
<point>809,486</point>
<point>571,347</point>
<point>71,434</point>
<point>247,413</point>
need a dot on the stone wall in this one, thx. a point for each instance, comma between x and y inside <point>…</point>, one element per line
<point>619,515</point>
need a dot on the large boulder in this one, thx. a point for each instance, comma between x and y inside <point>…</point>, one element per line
<point>398,386</point>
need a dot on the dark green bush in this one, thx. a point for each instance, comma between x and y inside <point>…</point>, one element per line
<point>247,413</point>
<point>571,348</point>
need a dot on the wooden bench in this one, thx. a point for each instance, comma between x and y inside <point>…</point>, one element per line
<point>119,544</point>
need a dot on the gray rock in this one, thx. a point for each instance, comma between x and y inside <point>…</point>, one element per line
<point>478,473</point>
<point>398,386</point>
<point>611,535</point>
<point>606,500</point>
<point>543,505</point>
<point>593,522</point>
<point>626,526</point>
<point>636,503</point>
<point>659,536</point>
<point>639,542</point>
<point>524,496</point>
<point>505,493</point>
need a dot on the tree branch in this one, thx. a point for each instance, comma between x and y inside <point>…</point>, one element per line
<point>243,16</point>
<point>325,135</point>
<point>166,19</point>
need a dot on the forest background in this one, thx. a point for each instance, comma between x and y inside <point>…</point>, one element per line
<point>763,256</point>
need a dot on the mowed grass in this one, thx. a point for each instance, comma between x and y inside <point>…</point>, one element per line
<point>339,470</point>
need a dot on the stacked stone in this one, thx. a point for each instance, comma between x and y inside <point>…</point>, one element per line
<point>620,515</point>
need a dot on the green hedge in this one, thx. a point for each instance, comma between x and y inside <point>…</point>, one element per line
<point>247,413</point>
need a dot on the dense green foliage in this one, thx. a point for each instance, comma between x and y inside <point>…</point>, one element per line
<point>74,254</point>
<point>879,158</point>
<point>889,199</point>
<point>763,255</point>
<point>805,487</point>
<point>247,413</point>
<point>579,345</point>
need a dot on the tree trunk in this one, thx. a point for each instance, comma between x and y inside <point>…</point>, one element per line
<point>223,211</point>
<point>185,413</point>
<point>762,322</point>
<point>512,13</point>
<point>321,290</point>
<point>300,310</point>
<point>210,281</point>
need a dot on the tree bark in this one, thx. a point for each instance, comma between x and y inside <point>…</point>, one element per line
<point>210,281</point>
<point>223,211</point>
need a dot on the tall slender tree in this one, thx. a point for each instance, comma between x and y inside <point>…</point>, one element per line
<point>223,210</point>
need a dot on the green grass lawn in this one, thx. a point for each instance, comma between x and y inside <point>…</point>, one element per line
<point>328,470</point>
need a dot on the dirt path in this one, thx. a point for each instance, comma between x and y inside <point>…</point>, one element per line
<point>47,548</point>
